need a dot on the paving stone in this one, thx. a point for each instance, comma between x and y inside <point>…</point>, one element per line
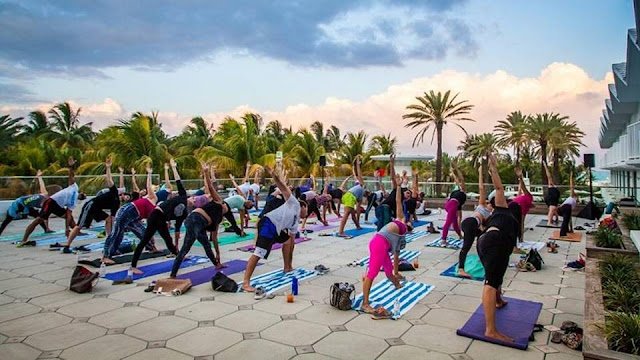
<point>559,318</point>
<point>336,328</point>
<point>351,345</point>
<point>257,349</point>
<point>206,311</point>
<point>156,344</point>
<point>105,348</point>
<point>448,318</point>
<point>364,324</point>
<point>460,303</point>
<point>280,306</point>
<point>4,275</point>
<point>295,333</point>
<point>237,299</point>
<point>312,356</point>
<point>4,299</point>
<point>573,293</point>
<point>15,339</point>
<point>248,321</point>
<point>326,315</point>
<point>161,328</point>
<point>411,352</point>
<point>394,341</point>
<point>205,341</point>
<point>59,299</point>
<point>123,317</point>
<point>563,356</point>
<point>461,357</point>
<point>64,336</point>
<point>545,289</point>
<point>481,350</point>
<point>436,338</point>
<point>134,294</point>
<point>206,323</point>
<point>90,308</point>
<point>41,268</point>
<point>80,320</point>
<point>546,349</point>
<point>54,275</point>
<point>131,304</point>
<point>168,303</point>
<point>116,331</point>
<point>416,312</point>
<point>24,326</point>
<point>50,354</point>
<point>167,313</point>
<point>18,352</point>
<point>18,264</point>
<point>17,283</point>
<point>571,306</point>
<point>17,310</point>
<point>306,349</point>
<point>158,354</point>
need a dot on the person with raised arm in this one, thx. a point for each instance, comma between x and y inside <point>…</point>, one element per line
<point>390,239</point>
<point>240,203</point>
<point>28,205</point>
<point>352,199</point>
<point>410,203</point>
<point>314,202</point>
<point>255,188</point>
<point>473,225</point>
<point>453,206</point>
<point>375,198</point>
<point>521,204</point>
<point>336,196</point>
<point>60,204</point>
<point>128,218</point>
<point>164,190</point>
<point>279,225</point>
<point>94,209</point>
<point>136,193</point>
<point>494,247</point>
<point>387,209</point>
<point>553,197</point>
<point>201,220</point>
<point>566,209</point>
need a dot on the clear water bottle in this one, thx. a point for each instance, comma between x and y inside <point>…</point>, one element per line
<point>396,309</point>
<point>103,270</point>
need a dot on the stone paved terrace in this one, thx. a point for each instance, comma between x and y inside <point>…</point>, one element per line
<point>41,319</point>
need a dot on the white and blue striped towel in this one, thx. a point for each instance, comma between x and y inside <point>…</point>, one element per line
<point>452,243</point>
<point>405,254</point>
<point>278,279</point>
<point>385,294</point>
<point>415,235</point>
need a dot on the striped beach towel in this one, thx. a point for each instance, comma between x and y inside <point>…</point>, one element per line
<point>406,255</point>
<point>452,243</point>
<point>415,235</point>
<point>385,294</point>
<point>278,279</point>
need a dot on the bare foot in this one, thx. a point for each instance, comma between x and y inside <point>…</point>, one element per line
<point>463,274</point>
<point>136,271</point>
<point>287,270</point>
<point>108,261</point>
<point>367,309</point>
<point>498,335</point>
<point>501,303</point>
<point>248,288</point>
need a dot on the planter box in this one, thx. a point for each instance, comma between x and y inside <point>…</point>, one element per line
<point>594,343</point>
<point>629,248</point>
<point>635,238</point>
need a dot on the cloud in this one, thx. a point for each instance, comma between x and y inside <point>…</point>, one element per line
<point>80,38</point>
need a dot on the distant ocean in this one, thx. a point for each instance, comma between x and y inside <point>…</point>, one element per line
<point>600,175</point>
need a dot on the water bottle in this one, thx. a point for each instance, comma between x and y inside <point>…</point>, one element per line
<point>294,285</point>
<point>396,308</point>
<point>103,270</point>
<point>129,274</point>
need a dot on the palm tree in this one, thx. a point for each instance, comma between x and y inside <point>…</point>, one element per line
<point>436,110</point>
<point>383,144</point>
<point>540,128</point>
<point>317,129</point>
<point>37,125</point>
<point>275,135</point>
<point>512,132</point>
<point>334,139</point>
<point>9,127</point>
<point>564,144</point>
<point>193,138</point>
<point>304,152</point>
<point>478,148</point>
<point>67,131</point>
<point>354,145</point>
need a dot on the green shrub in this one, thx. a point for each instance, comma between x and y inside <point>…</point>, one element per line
<point>618,269</point>
<point>608,238</point>
<point>623,332</point>
<point>622,297</point>
<point>632,221</point>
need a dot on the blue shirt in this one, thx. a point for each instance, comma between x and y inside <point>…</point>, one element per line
<point>358,191</point>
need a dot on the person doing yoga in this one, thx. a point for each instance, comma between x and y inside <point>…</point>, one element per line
<point>352,199</point>
<point>390,239</point>
<point>494,247</point>
<point>566,208</point>
<point>375,198</point>
<point>28,205</point>
<point>314,202</point>
<point>279,225</point>
<point>553,197</point>
<point>473,225</point>
<point>453,206</point>
<point>521,204</point>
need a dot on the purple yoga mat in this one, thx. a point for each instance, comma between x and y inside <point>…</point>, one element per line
<point>276,246</point>
<point>515,320</point>
<point>204,275</point>
<point>320,227</point>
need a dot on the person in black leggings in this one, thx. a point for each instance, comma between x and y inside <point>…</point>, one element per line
<point>494,247</point>
<point>552,199</point>
<point>473,225</point>
<point>566,209</point>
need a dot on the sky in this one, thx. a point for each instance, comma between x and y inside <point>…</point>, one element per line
<point>356,64</point>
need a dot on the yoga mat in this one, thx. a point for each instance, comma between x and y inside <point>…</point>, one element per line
<point>320,227</point>
<point>276,246</point>
<point>204,275</point>
<point>362,231</point>
<point>415,235</point>
<point>333,220</point>
<point>452,243</point>
<point>450,228</point>
<point>406,255</point>
<point>157,268</point>
<point>572,237</point>
<point>278,279</point>
<point>34,236</point>
<point>123,259</point>
<point>515,320</point>
<point>100,244</point>
<point>230,238</point>
<point>472,266</point>
<point>528,245</point>
<point>385,294</point>
<point>543,224</point>
<point>62,239</point>
<point>420,223</point>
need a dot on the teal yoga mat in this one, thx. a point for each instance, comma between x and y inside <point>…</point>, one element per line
<point>472,266</point>
<point>230,238</point>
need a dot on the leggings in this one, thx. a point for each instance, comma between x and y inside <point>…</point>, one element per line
<point>451,207</point>
<point>156,222</point>
<point>470,229</point>
<point>196,230</point>
<point>127,219</point>
<point>565,212</point>
<point>371,203</point>
<point>312,207</point>
<point>379,257</point>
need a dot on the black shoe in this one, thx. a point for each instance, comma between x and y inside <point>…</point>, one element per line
<point>66,250</point>
<point>56,245</point>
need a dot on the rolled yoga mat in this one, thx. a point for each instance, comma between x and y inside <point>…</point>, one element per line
<point>385,294</point>
<point>571,237</point>
<point>157,268</point>
<point>543,224</point>
<point>276,246</point>
<point>452,243</point>
<point>472,265</point>
<point>278,279</point>
<point>516,320</point>
<point>204,275</point>
<point>123,259</point>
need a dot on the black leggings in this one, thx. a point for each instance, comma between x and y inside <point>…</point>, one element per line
<point>196,226</point>
<point>565,212</point>
<point>371,203</point>
<point>9,219</point>
<point>470,229</point>
<point>494,249</point>
<point>312,207</point>
<point>156,222</point>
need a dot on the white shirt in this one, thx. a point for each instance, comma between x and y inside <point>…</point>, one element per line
<point>255,188</point>
<point>67,197</point>
<point>310,195</point>
<point>287,216</point>
<point>245,188</point>
<point>570,201</point>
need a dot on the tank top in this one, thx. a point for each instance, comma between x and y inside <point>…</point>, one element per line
<point>144,207</point>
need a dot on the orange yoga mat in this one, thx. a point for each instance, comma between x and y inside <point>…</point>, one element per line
<point>573,237</point>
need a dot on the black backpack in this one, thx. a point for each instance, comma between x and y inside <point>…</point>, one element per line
<point>221,282</point>
<point>535,259</point>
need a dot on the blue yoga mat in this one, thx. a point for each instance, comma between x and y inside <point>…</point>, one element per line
<point>472,266</point>
<point>157,268</point>
<point>516,320</point>
<point>100,244</point>
<point>34,236</point>
<point>278,279</point>
<point>62,239</point>
<point>385,294</point>
<point>452,243</point>
<point>362,231</point>
<point>204,275</point>
<point>420,223</point>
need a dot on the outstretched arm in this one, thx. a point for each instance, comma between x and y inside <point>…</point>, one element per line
<point>344,183</point>
<point>457,177</point>
<point>483,192</point>
<point>522,186</point>
<point>121,182</point>
<point>134,183</point>
<point>358,170</point>
<point>284,189</point>
<point>176,176</point>
<point>72,175</point>
<point>246,172</point>
<point>151,195</point>
<point>167,181</point>
<point>235,185</point>
<point>549,176</point>
<point>501,200</point>
<point>392,170</point>
<point>43,189</point>
<point>108,177</point>
<point>399,212</point>
<point>414,191</point>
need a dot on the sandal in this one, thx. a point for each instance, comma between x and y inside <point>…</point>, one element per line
<point>381,313</point>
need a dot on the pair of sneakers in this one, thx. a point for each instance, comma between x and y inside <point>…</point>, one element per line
<point>321,269</point>
<point>261,293</point>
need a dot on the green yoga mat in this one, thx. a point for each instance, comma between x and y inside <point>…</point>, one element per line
<point>472,266</point>
<point>230,238</point>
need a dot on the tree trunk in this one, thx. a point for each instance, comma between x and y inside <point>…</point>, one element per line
<point>518,156</point>
<point>543,156</point>
<point>439,158</point>
<point>556,167</point>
